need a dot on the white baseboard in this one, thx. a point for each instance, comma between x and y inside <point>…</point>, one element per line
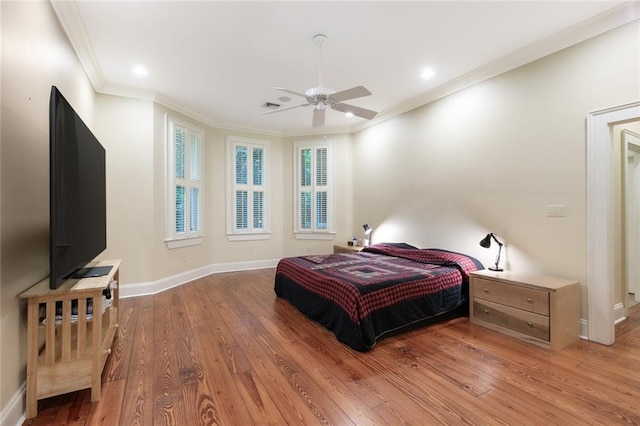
<point>153,287</point>
<point>584,329</point>
<point>13,414</point>
<point>619,313</point>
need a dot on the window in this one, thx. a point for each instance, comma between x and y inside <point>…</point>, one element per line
<point>184,184</point>
<point>313,202</point>
<point>247,189</point>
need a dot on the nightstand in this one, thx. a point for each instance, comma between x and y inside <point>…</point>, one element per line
<point>346,249</point>
<point>539,309</point>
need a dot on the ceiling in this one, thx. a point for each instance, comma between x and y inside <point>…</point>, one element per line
<point>218,61</point>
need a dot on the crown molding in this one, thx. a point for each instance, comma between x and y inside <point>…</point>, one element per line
<point>126,91</point>
<point>203,118</point>
<point>607,21</point>
<point>69,17</point>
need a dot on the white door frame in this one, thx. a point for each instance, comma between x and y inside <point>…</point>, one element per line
<point>600,281</point>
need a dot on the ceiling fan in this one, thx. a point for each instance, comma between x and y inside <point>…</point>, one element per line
<point>322,97</point>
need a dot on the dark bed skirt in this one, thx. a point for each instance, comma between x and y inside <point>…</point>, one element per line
<point>380,324</point>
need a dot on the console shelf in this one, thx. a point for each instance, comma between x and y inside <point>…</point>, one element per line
<point>69,335</point>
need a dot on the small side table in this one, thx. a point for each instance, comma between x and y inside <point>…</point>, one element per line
<point>338,248</point>
<point>69,335</point>
<point>538,309</point>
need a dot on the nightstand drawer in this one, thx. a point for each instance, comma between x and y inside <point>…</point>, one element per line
<point>529,299</point>
<point>528,323</point>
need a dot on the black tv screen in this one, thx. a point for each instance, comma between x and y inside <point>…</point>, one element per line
<point>78,218</point>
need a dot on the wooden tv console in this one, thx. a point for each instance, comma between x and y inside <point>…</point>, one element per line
<point>66,350</point>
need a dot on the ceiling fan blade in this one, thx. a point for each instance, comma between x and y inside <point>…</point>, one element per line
<point>285,109</point>
<point>354,92</point>
<point>292,92</point>
<point>360,112</point>
<point>318,117</point>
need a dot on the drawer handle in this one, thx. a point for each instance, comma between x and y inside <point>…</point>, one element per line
<point>530,300</point>
<point>486,290</point>
<point>486,311</point>
<point>530,324</point>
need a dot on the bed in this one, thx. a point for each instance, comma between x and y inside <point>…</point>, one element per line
<point>386,288</point>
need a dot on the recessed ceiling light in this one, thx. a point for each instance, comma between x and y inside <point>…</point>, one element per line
<point>427,73</point>
<point>139,70</point>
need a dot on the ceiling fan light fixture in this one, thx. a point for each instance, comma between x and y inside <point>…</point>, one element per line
<point>315,91</point>
<point>320,39</point>
<point>322,97</point>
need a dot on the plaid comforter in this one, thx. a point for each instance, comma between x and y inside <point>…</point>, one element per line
<point>362,296</point>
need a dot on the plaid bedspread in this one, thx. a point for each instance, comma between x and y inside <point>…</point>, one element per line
<point>362,296</point>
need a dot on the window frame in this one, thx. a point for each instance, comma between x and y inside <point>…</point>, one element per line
<point>314,233</point>
<point>175,239</point>
<point>251,232</point>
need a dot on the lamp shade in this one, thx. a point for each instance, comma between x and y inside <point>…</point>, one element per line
<point>486,243</point>
<point>367,228</point>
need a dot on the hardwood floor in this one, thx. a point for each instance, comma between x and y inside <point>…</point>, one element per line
<point>224,350</point>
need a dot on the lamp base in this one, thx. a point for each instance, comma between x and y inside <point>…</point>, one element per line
<point>496,269</point>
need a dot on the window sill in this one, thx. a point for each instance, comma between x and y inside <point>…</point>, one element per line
<point>315,236</point>
<point>249,237</point>
<point>184,242</point>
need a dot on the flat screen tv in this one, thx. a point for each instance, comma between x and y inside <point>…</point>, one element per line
<point>78,218</point>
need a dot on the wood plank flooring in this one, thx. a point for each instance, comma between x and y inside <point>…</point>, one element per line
<point>224,350</point>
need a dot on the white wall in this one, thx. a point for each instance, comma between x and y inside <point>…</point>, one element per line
<point>125,129</point>
<point>35,56</point>
<point>492,157</point>
<point>138,196</point>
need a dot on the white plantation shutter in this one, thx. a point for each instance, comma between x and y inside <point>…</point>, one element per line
<point>321,210</point>
<point>180,151</point>
<point>195,181</point>
<point>306,188</point>
<point>305,210</point>
<point>242,210</point>
<point>313,168</point>
<point>241,165</point>
<point>321,188</point>
<point>185,177</point>
<point>258,209</point>
<point>194,209</point>
<point>258,187</point>
<point>181,218</point>
<point>321,167</point>
<point>258,165</point>
<point>248,204</point>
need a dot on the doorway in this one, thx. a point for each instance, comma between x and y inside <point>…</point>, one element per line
<point>630,142</point>
<point>600,237</point>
